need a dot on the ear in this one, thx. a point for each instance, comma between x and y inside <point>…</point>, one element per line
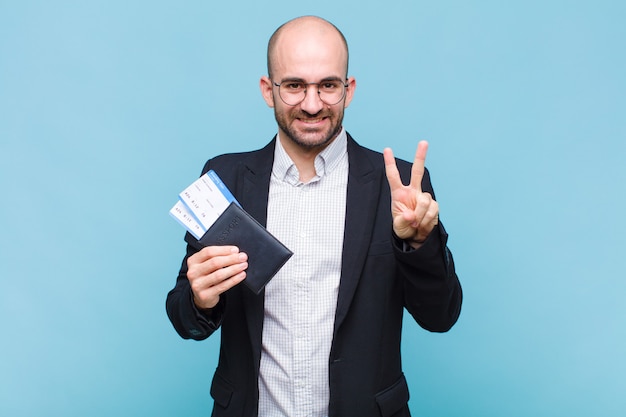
<point>267,90</point>
<point>349,91</point>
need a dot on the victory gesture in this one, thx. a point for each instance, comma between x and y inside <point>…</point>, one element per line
<point>415,213</point>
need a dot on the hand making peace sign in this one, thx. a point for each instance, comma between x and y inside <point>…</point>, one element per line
<point>415,213</point>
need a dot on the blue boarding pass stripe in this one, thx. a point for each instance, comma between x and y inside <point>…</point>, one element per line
<point>222,187</point>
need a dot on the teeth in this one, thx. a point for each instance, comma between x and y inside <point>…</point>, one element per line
<point>311,120</point>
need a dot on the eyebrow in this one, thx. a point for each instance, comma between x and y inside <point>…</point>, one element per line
<point>301,80</point>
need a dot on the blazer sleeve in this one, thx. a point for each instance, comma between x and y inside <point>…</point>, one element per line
<point>189,321</point>
<point>432,291</point>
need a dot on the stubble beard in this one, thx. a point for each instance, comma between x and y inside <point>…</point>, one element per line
<point>298,138</point>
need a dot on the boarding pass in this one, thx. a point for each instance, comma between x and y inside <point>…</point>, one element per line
<point>200,204</point>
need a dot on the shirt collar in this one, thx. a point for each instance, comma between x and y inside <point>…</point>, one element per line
<point>325,162</point>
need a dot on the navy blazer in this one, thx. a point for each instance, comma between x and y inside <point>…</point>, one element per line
<point>378,280</point>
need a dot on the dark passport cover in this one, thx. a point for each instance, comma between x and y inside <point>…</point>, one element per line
<point>266,254</point>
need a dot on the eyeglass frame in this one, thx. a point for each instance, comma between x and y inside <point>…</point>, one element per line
<point>345,89</point>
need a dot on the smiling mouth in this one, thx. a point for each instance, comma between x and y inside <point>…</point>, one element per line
<point>312,121</point>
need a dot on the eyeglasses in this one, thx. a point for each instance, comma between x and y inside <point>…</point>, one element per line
<point>293,92</point>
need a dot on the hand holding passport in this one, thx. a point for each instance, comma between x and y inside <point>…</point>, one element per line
<point>213,217</point>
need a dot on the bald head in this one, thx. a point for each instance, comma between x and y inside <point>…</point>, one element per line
<point>303,29</point>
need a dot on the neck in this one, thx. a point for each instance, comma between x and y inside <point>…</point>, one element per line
<point>304,161</point>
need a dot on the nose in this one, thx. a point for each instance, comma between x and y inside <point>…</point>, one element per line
<point>312,103</point>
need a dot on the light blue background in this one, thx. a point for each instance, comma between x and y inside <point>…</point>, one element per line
<point>109,108</point>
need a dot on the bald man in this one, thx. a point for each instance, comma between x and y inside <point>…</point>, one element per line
<point>323,338</point>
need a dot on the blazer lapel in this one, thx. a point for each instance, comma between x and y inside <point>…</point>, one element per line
<point>252,192</point>
<point>361,205</point>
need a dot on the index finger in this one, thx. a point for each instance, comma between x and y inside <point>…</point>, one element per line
<point>391,169</point>
<point>209,252</point>
<point>417,171</point>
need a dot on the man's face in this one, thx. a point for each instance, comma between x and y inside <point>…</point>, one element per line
<point>309,59</point>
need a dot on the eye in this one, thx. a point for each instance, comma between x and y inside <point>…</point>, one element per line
<point>329,86</point>
<point>292,86</point>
